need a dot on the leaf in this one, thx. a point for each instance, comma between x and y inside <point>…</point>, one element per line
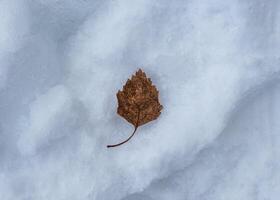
<point>138,103</point>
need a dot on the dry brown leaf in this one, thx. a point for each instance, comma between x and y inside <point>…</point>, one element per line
<point>138,103</point>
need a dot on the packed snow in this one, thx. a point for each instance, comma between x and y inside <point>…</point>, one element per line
<point>215,63</point>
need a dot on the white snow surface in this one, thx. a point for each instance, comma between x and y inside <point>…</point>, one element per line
<point>217,67</point>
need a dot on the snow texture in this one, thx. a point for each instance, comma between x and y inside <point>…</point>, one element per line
<point>216,65</point>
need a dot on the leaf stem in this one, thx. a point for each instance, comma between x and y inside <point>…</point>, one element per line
<point>135,128</point>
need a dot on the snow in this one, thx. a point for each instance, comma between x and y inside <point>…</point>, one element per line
<point>216,65</point>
